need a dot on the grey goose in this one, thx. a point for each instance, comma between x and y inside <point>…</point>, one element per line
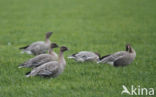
<point>42,58</point>
<point>50,69</point>
<point>85,56</point>
<point>39,47</point>
<point>121,58</point>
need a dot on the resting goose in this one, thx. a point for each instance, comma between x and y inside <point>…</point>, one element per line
<point>85,56</point>
<point>39,47</point>
<point>121,58</point>
<point>42,58</point>
<point>50,69</point>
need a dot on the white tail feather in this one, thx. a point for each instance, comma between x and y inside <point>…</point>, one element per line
<point>20,67</point>
<point>70,57</point>
<point>27,75</point>
<point>28,52</point>
<point>98,62</point>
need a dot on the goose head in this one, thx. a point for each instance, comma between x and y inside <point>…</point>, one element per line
<point>48,34</point>
<point>129,48</point>
<point>54,45</point>
<point>63,49</point>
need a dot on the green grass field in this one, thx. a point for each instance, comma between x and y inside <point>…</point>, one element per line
<point>104,26</point>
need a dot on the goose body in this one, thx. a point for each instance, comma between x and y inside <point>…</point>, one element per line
<point>50,69</point>
<point>39,47</point>
<point>85,56</point>
<point>121,58</point>
<point>41,59</point>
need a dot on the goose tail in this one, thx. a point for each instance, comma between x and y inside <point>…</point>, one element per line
<point>21,66</point>
<point>28,52</point>
<point>98,62</point>
<point>27,74</point>
<point>24,47</point>
<point>71,57</point>
<point>103,57</point>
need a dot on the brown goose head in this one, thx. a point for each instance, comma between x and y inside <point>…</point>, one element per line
<point>63,49</point>
<point>129,48</point>
<point>48,34</point>
<point>53,45</point>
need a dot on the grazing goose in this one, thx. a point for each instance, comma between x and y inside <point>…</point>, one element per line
<point>50,69</point>
<point>121,58</point>
<point>39,47</point>
<point>42,58</point>
<point>85,56</point>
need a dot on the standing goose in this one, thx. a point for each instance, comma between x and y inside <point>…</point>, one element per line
<point>85,56</point>
<point>121,58</point>
<point>42,58</point>
<point>39,47</point>
<point>50,69</point>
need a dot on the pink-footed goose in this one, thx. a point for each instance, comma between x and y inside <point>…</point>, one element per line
<point>42,58</point>
<point>121,58</point>
<point>39,47</point>
<point>50,69</point>
<point>85,56</point>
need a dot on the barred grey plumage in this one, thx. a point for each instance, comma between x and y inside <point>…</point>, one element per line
<point>42,58</point>
<point>121,58</point>
<point>50,69</point>
<point>85,56</point>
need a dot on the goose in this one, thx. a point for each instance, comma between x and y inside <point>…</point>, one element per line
<point>39,47</point>
<point>85,56</point>
<point>121,58</point>
<point>50,69</point>
<point>42,58</point>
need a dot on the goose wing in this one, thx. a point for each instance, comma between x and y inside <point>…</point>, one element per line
<point>47,69</point>
<point>39,48</point>
<point>37,61</point>
<point>24,47</point>
<point>35,45</point>
<point>41,59</point>
<point>118,55</point>
<point>27,47</point>
<point>86,55</point>
<point>50,68</point>
<point>114,57</point>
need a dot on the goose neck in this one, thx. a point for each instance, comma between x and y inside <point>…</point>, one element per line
<point>133,51</point>
<point>47,40</point>
<point>50,51</point>
<point>61,59</point>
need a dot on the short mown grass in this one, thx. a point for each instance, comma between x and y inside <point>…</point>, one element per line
<point>103,26</point>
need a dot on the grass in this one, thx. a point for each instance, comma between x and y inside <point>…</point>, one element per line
<point>104,26</point>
